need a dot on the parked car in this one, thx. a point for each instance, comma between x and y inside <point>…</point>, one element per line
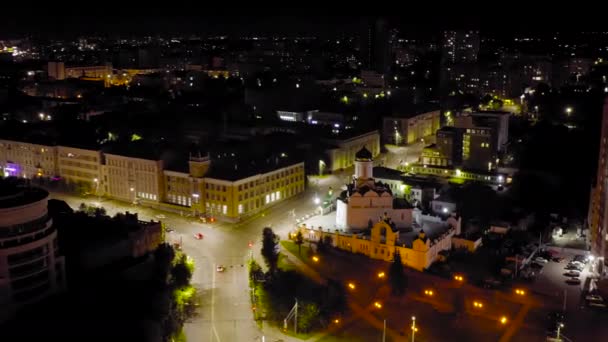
<point>580,258</point>
<point>220,268</point>
<point>573,281</point>
<point>169,230</point>
<point>579,263</point>
<point>198,236</point>
<point>557,259</point>
<point>541,260</point>
<point>572,274</point>
<point>594,298</point>
<point>573,267</point>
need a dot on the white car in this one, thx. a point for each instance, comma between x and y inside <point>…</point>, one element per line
<point>572,274</point>
<point>220,268</point>
<point>541,260</point>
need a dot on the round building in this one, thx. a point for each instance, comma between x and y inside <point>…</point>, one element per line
<point>30,265</point>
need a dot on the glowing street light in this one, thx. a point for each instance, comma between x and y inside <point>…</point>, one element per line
<point>458,278</point>
<point>429,293</point>
<point>504,320</point>
<point>569,110</point>
<point>381,275</point>
<point>378,305</point>
<point>336,321</point>
<point>317,200</point>
<point>477,304</point>
<point>351,286</point>
<point>315,258</point>
<point>414,329</point>
<point>520,292</point>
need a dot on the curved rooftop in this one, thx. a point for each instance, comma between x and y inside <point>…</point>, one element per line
<point>363,154</point>
<point>13,194</point>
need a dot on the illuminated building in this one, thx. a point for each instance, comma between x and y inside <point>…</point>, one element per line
<point>27,160</point>
<point>342,155</point>
<point>460,47</point>
<point>409,130</point>
<point>81,167</point>
<point>30,265</point>
<point>365,199</point>
<point>597,216</point>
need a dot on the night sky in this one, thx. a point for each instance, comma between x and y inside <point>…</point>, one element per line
<point>112,17</point>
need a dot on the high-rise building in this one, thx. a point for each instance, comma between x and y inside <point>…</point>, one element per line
<point>460,47</point>
<point>375,46</point>
<point>597,218</point>
<point>30,265</point>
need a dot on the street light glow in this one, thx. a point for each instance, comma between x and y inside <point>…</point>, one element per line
<point>381,275</point>
<point>478,304</point>
<point>351,286</point>
<point>503,320</point>
<point>520,292</point>
<point>317,200</point>
<point>315,258</point>
<point>458,278</point>
<point>429,293</point>
<point>378,305</point>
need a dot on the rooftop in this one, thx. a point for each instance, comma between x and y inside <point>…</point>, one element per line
<point>13,193</point>
<point>387,173</point>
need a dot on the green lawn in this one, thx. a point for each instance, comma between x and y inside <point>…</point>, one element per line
<point>306,252</point>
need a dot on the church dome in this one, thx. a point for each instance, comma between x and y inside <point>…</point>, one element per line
<point>363,154</point>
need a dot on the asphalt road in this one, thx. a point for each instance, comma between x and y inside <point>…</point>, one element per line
<point>225,312</point>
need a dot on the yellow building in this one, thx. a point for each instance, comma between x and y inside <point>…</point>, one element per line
<point>409,130</point>
<point>80,166</point>
<point>133,179</point>
<point>343,155</point>
<point>22,159</point>
<point>233,199</point>
<point>419,247</point>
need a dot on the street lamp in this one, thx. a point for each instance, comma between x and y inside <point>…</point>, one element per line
<point>381,275</point>
<point>351,286</point>
<point>317,200</point>
<point>378,305</point>
<point>414,329</point>
<point>503,321</point>
<point>569,110</point>
<point>321,167</point>
<point>559,330</point>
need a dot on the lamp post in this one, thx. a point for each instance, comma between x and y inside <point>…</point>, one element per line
<point>321,167</point>
<point>413,328</point>
<point>96,180</point>
<point>559,330</point>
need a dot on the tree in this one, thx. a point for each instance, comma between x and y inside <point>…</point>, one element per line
<point>299,241</point>
<point>308,315</point>
<point>181,272</point>
<point>100,211</point>
<point>396,275</point>
<point>270,249</point>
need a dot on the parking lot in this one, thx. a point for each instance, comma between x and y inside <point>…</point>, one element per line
<point>581,321</point>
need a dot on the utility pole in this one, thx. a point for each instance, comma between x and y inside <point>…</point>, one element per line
<point>384,332</point>
<point>295,321</point>
<point>413,327</point>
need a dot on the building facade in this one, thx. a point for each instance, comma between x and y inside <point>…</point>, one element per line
<point>81,167</point>
<point>343,155</point>
<point>30,265</point>
<point>597,217</point>
<point>404,131</point>
<point>365,200</point>
<point>147,181</point>
<point>418,247</point>
<point>27,160</point>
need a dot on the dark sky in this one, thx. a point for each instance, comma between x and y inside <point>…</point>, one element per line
<point>240,17</point>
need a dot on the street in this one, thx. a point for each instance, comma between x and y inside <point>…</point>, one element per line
<point>225,313</point>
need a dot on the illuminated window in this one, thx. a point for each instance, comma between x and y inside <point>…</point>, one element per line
<point>224,209</point>
<point>267,199</point>
<point>240,208</point>
<point>272,197</point>
<point>278,195</point>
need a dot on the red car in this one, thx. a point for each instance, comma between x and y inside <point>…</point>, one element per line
<point>198,236</point>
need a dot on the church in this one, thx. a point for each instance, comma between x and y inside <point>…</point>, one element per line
<point>365,201</point>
